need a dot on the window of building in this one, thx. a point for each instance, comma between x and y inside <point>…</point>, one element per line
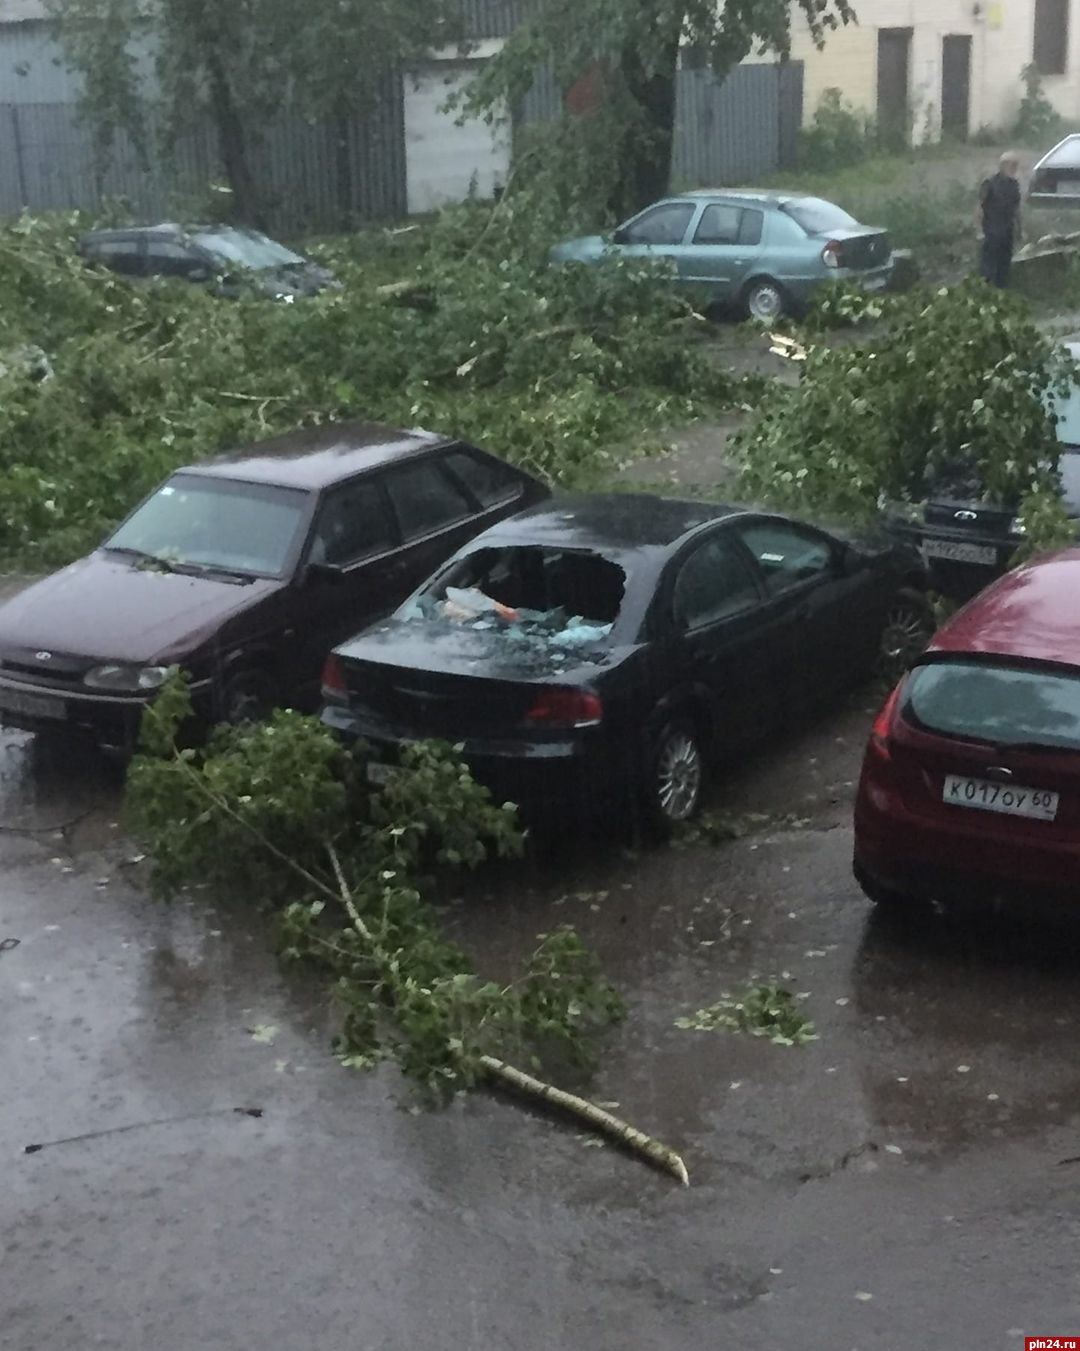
<point>1050,49</point>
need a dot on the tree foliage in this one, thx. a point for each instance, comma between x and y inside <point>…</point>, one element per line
<point>565,371</point>
<point>175,63</point>
<point>630,50</point>
<point>955,385</point>
<point>280,814</point>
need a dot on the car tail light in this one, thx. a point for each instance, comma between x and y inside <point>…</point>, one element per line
<point>830,254</point>
<point>566,708</point>
<point>333,676</point>
<point>883,724</point>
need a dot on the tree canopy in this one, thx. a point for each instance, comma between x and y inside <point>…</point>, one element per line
<point>630,50</point>
<point>174,63</point>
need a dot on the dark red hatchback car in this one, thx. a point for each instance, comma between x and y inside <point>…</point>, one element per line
<point>970,787</point>
<point>245,571</point>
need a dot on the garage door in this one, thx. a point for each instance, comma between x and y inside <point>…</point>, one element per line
<point>445,162</point>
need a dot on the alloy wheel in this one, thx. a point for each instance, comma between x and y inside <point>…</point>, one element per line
<point>678,776</point>
<point>905,635</point>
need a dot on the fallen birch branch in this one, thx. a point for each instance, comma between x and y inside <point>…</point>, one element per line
<point>655,1151</point>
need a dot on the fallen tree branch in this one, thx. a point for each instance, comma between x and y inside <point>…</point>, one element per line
<point>384,960</point>
<point>655,1151</point>
<point>663,1156</point>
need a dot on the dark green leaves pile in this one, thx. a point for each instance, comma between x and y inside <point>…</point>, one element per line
<point>566,371</point>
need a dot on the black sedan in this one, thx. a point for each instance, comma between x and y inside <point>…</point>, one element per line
<point>607,649</point>
<point>225,258</point>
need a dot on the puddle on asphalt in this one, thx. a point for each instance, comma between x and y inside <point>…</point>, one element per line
<point>58,787</point>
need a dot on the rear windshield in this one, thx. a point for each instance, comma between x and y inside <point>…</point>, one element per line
<point>818,217</point>
<point>563,597</point>
<point>1002,705</point>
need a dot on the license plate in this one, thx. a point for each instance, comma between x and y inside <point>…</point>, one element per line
<point>874,283</point>
<point>960,553</point>
<point>380,775</point>
<point>1036,803</point>
<point>32,705</point>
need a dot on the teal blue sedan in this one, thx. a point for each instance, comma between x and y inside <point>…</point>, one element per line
<point>764,253</point>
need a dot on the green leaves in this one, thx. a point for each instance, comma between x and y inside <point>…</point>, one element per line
<point>761,1010</point>
<point>956,384</point>
<point>560,367</point>
<point>280,815</point>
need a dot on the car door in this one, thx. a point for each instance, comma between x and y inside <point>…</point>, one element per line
<point>170,257</point>
<point>123,254</point>
<point>724,250</point>
<point>806,577</point>
<point>434,513</point>
<point>660,232</point>
<point>496,488</point>
<point>727,643</point>
<point>360,573</point>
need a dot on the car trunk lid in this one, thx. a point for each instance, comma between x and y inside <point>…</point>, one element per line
<point>860,250</point>
<point>992,780</point>
<point>425,678</point>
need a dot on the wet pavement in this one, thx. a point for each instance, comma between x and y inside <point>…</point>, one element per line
<point>909,1180</point>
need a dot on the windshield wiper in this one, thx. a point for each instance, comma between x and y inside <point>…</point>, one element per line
<point>182,567</point>
<point>218,570</point>
<point>141,555</point>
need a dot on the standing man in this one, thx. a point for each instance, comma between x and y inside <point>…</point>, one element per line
<point>999,220</point>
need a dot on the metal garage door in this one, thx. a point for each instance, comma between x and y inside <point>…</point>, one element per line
<point>446,162</point>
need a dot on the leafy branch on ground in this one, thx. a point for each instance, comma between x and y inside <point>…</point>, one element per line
<point>720,827</point>
<point>567,371</point>
<point>280,814</point>
<point>953,386</point>
<point>761,1011</point>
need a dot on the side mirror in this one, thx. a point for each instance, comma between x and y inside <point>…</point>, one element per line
<point>620,236</point>
<point>319,573</point>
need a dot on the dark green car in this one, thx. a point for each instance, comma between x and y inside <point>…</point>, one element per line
<point>762,252</point>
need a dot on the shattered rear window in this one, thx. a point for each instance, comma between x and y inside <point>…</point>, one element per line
<point>562,598</point>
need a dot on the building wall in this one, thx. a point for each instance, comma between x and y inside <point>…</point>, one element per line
<point>1001,33</point>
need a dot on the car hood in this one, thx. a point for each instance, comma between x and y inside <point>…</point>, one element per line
<point>582,250</point>
<point>108,609</point>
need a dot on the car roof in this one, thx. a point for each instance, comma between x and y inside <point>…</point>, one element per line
<point>766,195</point>
<point>164,227</point>
<point>616,523</point>
<point>1029,613</point>
<point>1065,155</point>
<point>316,457</point>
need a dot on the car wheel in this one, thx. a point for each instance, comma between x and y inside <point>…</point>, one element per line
<point>249,696</point>
<point>909,626</point>
<point>677,775</point>
<point>765,301</point>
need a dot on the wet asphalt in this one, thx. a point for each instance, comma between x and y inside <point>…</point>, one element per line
<point>910,1180</point>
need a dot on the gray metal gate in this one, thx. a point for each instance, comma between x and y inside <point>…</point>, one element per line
<point>316,175</point>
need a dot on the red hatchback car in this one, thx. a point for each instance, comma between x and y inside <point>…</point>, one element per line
<point>970,786</point>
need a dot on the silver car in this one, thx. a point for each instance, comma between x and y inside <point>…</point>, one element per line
<point>763,252</point>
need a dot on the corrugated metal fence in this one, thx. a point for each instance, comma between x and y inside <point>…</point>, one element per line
<point>316,175</point>
<point>737,129</point>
